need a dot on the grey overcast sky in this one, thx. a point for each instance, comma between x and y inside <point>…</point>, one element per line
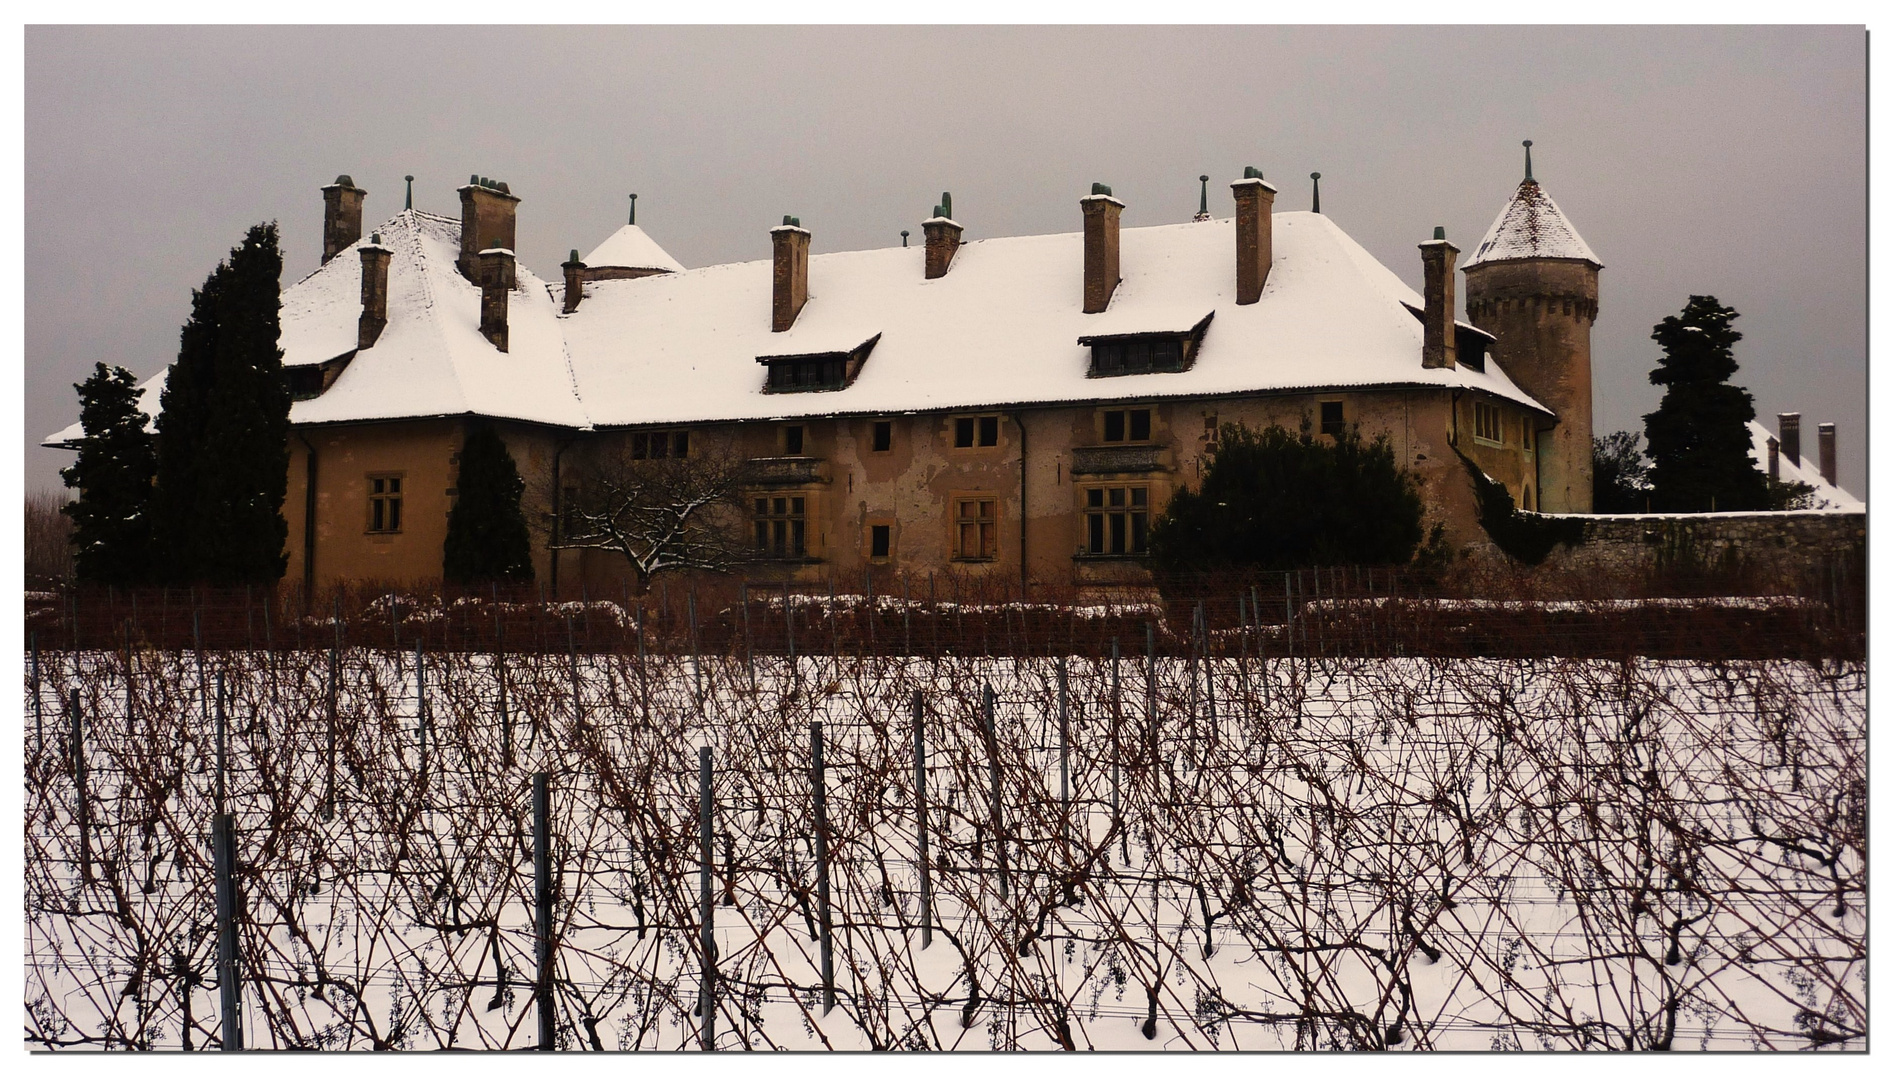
<point>1729,161</point>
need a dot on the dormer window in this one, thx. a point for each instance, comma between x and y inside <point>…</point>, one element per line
<point>1144,352</point>
<point>814,371</point>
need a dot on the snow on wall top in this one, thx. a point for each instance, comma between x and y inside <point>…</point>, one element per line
<point>1531,226</point>
<point>631,247</point>
<point>1002,327</point>
<point>1807,469</point>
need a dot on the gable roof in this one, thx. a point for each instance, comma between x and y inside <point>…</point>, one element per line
<point>1806,469</point>
<point>1531,226</point>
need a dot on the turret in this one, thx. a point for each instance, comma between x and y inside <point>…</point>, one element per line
<point>1534,284</point>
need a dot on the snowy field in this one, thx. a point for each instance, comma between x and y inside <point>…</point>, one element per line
<point>1404,853</point>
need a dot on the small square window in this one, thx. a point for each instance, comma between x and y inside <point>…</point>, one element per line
<point>882,437</point>
<point>963,431</point>
<point>990,431</point>
<point>1332,418</point>
<point>878,541</point>
<point>793,439</point>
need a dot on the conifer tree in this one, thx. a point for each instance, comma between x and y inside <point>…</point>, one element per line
<point>111,519</point>
<point>1276,501</point>
<point>223,428</point>
<point>486,533</point>
<point>1699,439</point>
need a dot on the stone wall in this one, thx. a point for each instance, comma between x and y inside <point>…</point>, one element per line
<point>1784,541</point>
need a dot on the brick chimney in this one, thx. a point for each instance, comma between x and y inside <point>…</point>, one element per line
<point>496,281</point>
<point>1437,295</point>
<point>575,281</point>
<point>789,277</point>
<point>374,292</point>
<point>341,216</point>
<point>1255,199</point>
<point>1826,452</point>
<point>1102,247</point>
<point>1776,468</point>
<point>487,217</point>
<point>1790,434</point>
<point>943,238</point>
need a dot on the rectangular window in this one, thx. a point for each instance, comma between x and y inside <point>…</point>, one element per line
<point>384,503</point>
<point>990,431</point>
<point>1526,435</point>
<point>1118,520</point>
<point>1138,356</point>
<point>963,431</point>
<point>976,529</point>
<point>1128,425</point>
<point>1487,422</point>
<point>879,541</point>
<point>793,440</point>
<point>1332,418</point>
<point>779,523</point>
<point>653,445</point>
<point>808,373</point>
<point>680,443</point>
<point>882,438</point>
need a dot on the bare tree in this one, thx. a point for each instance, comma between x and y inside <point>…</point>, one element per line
<point>48,540</point>
<point>663,514</point>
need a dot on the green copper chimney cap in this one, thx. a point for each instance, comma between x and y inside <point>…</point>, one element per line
<point>1251,172</point>
<point>947,205</point>
<point>1440,232</point>
<point>792,221</point>
<point>574,257</point>
<point>1102,189</point>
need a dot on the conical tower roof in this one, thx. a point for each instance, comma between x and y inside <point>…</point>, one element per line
<point>1531,226</point>
<point>631,248</point>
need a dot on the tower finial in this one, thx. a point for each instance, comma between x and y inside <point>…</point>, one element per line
<point>634,218</point>
<point>1315,193</point>
<point>1528,143</point>
<point>904,238</point>
<point>411,192</point>
<point>1204,197</point>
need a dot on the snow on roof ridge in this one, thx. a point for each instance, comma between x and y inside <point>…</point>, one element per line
<point>1531,226</point>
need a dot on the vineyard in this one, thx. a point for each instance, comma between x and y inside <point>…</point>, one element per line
<point>882,821</point>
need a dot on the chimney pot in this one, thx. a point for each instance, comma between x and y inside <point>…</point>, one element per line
<point>1255,199</point>
<point>1775,451</point>
<point>1437,294</point>
<point>942,238</point>
<point>1101,212</point>
<point>341,216</point>
<point>496,282</point>
<point>486,213</point>
<point>789,273</point>
<point>374,318</point>
<point>575,282</point>
<point>1826,452</point>
<point>1790,433</point>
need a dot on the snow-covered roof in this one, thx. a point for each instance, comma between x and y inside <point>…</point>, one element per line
<point>150,392</point>
<point>1003,327</point>
<point>631,247</point>
<point>1806,468</point>
<point>1531,226</point>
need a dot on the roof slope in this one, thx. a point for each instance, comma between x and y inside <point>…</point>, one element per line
<point>1531,226</point>
<point>1002,327</point>
<point>631,247</point>
<point>1806,469</point>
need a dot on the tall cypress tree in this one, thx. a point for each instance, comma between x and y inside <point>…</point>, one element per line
<point>111,519</point>
<point>486,533</point>
<point>1699,439</point>
<point>223,432</point>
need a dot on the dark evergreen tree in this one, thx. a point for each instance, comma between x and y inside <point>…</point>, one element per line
<point>486,533</point>
<point>223,428</point>
<point>111,518</point>
<point>1620,474</point>
<point>1274,500</point>
<point>1699,439</point>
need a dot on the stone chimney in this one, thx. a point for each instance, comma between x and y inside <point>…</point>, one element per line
<point>1255,199</point>
<point>789,277</point>
<point>374,292</point>
<point>496,281</point>
<point>1437,295</point>
<point>1826,452</point>
<point>341,216</point>
<point>943,238</point>
<point>1102,247</point>
<point>1776,467</point>
<point>1790,434</point>
<point>575,281</point>
<point>487,217</point>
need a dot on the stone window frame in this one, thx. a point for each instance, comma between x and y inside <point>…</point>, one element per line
<point>881,436</point>
<point>869,527</point>
<point>985,522</point>
<point>794,440</point>
<point>1489,428</point>
<point>1128,423</point>
<point>384,503</point>
<point>1341,423</point>
<point>780,517</point>
<point>671,443</point>
<point>978,427</point>
<point>1098,514</point>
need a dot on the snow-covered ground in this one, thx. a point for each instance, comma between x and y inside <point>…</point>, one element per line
<point>1395,852</point>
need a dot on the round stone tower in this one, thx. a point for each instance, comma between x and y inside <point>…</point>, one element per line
<point>1534,285</point>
